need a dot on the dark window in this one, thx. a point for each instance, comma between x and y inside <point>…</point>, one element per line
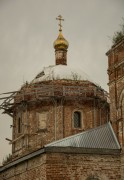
<point>77,119</point>
<point>92,178</point>
<point>19,125</point>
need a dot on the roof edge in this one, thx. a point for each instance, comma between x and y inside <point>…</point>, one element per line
<point>71,150</point>
<point>22,159</point>
<point>114,46</point>
<point>110,126</point>
<point>81,150</point>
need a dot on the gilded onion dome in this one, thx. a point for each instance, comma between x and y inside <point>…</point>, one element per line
<point>60,43</point>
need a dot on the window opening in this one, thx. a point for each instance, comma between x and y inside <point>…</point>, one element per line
<point>19,125</point>
<point>92,178</point>
<point>77,119</point>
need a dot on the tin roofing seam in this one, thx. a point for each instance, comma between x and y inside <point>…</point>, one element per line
<point>102,137</point>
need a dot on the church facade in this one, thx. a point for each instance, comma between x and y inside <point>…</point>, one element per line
<point>63,124</point>
<point>116,88</point>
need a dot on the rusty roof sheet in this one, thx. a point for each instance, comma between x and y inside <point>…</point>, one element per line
<point>102,137</point>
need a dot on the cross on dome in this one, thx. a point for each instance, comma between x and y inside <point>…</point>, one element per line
<point>60,19</point>
<point>60,45</point>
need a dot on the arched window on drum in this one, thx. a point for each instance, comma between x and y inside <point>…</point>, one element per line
<point>77,119</point>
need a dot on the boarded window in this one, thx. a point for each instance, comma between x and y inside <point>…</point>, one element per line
<point>42,120</point>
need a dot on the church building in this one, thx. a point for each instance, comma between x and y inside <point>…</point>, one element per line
<point>65,127</point>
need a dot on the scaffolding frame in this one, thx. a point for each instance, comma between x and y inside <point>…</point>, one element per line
<point>35,93</point>
<point>43,92</point>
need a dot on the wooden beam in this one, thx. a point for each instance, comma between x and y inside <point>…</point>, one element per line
<point>9,92</point>
<point>4,98</point>
<point>8,139</point>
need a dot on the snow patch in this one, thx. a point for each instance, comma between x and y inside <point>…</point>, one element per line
<point>61,72</point>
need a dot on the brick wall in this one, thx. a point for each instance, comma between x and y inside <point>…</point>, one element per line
<point>79,167</point>
<point>59,112</point>
<point>67,165</point>
<point>27,170</point>
<point>116,88</point>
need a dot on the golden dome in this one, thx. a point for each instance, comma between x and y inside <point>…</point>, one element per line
<point>61,43</point>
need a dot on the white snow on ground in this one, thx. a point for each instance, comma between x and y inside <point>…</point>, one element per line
<point>61,72</point>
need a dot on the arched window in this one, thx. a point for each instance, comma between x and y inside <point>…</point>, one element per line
<point>121,116</point>
<point>77,119</point>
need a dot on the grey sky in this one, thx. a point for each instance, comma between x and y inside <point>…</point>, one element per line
<point>28,29</point>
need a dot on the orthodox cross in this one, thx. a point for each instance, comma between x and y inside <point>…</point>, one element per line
<point>59,18</point>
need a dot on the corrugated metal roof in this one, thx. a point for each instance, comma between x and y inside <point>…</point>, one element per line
<point>102,137</point>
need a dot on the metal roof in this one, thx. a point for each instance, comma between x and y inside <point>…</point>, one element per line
<point>102,137</point>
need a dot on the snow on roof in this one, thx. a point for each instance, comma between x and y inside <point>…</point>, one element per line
<point>61,72</point>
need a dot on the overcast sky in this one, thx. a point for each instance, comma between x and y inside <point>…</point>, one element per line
<point>28,29</point>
